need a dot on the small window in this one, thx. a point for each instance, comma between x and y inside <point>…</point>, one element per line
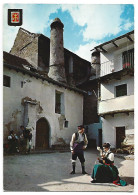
<point>22,84</point>
<point>121,90</point>
<point>66,124</point>
<point>59,102</point>
<point>6,81</point>
<point>89,93</point>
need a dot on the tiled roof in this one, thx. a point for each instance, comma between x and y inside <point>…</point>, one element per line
<point>15,60</point>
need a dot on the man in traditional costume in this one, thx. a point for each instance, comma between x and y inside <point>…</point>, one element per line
<point>77,145</point>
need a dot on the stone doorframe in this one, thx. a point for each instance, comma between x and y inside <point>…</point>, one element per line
<point>32,113</point>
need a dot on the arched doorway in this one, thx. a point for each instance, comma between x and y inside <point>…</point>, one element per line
<point>42,134</point>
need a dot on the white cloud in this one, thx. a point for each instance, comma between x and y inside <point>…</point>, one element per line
<point>100,20</point>
<point>127,25</point>
<point>84,50</point>
<point>35,19</point>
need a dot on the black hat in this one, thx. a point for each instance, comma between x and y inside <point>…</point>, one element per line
<point>81,126</point>
<point>106,145</point>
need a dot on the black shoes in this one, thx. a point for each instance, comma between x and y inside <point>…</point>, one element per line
<point>93,181</point>
<point>72,172</point>
<point>83,172</point>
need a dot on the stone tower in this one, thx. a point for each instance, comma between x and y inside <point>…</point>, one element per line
<point>56,68</point>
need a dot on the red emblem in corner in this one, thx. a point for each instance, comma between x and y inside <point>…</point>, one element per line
<point>15,17</point>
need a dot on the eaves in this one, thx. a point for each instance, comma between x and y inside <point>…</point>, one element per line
<point>38,76</point>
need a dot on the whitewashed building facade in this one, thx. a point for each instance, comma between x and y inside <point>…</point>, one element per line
<point>31,101</point>
<point>50,105</point>
<point>114,64</point>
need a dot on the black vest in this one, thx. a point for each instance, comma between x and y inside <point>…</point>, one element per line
<point>107,160</point>
<point>77,135</point>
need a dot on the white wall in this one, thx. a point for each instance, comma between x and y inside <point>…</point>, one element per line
<point>108,89</point>
<point>44,94</point>
<point>123,103</point>
<point>109,103</point>
<point>119,120</point>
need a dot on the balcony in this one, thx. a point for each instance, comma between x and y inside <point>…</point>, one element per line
<point>116,105</point>
<point>107,67</point>
<point>124,61</point>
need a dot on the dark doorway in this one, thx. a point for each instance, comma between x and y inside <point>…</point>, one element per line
<point>120,136</point>
<point>100,137</point>
<point>42,134</point>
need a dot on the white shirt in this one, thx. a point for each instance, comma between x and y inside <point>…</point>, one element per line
<point>110,156</point>
<point>80,138</point>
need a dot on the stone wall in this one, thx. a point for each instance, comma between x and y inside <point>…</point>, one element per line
<point>36,49</point>
<point>26,46</point>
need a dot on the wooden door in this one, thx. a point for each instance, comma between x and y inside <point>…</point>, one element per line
<point>42,134</point>
<point>120,136</point>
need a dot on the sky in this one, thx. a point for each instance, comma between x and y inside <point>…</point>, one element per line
<point>85,25</point>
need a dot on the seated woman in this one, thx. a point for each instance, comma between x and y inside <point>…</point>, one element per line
<point>106,172</point>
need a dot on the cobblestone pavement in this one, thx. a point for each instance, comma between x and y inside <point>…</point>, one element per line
<point>50,172</point>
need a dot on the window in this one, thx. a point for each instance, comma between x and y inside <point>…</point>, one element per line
<point>128,59</point>
<point>89,93</point>
<point>121,90</point>
<point>66,124</point>
<point>6,81</point>
<point>59,102</point>
<point>22,84</point>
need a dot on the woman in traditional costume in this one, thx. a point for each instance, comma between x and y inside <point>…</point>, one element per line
<point>106,172</point>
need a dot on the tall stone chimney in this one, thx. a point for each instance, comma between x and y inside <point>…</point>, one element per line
<point>95,63</point>
<point>56,68</point>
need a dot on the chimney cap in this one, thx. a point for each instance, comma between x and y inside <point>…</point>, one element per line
<point>95,52</point>
<point>57,22</point>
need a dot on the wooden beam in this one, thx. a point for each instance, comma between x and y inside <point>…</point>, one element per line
<point>97,49</point>
<point>112,115</point>
<point>127,113</point>
<point>117,77</point>
<point>129,38</point>
<point>103,49</point>
<point>115,112</point>
<point>114,44</point>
